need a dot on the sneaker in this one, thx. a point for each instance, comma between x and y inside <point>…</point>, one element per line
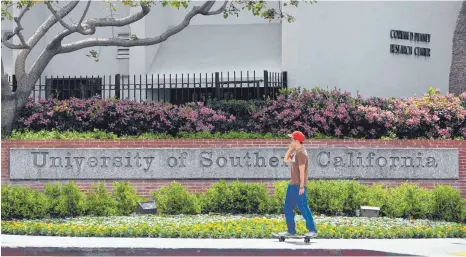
<point>311,234</point>
<point>285,234</point>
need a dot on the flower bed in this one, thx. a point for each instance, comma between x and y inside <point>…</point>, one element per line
<point>212,226</point>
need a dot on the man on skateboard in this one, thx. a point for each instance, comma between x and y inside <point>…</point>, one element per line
<point>296,193</point>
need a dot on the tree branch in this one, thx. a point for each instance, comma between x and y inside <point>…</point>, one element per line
<point>58,17</point>
<point>84,13</point>
<point>219,10</point>
<point>8,35</point>
<point>88,27</point>
<point>107,22</point>
<point>91,42</point>
<point>20,63</point>
<point>42,30</point>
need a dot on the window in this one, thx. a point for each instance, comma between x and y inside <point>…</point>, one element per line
<point>65,88</point>
<point>123,52</point>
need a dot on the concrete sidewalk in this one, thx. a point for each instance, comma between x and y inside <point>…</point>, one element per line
<point>419,247</point>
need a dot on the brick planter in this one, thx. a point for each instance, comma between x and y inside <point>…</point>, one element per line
<point>144,187</point>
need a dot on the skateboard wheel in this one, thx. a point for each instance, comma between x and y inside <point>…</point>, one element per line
<point>307,240</point>
<point>281,239</point>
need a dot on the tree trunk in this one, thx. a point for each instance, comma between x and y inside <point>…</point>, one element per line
<point>458,61</point>
<point>9,112</point>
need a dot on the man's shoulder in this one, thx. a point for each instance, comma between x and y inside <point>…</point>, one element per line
<point>302,154</point>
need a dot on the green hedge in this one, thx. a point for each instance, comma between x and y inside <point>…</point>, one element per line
<point>71,135</point>
<point>61,201</point>
<point>334,198</point>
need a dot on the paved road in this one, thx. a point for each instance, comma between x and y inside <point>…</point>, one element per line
<point>33,245</point>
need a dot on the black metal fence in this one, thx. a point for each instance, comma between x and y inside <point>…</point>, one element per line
<point>172,88</point>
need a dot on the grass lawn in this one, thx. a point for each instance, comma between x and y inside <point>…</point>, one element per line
<point>230,226</point>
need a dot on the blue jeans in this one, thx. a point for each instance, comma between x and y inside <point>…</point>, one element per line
<point>292,199</point>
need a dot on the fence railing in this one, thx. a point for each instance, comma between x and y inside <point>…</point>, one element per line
<point>172,88</point>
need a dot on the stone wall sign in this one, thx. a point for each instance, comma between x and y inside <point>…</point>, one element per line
<point>230,163</point>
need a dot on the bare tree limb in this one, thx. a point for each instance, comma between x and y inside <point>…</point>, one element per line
<point>58,17</point>
<point>91,42</point>
<point>84,13</point>
<point>219,10</point>
<point>107,22</point>
<point>88,27</point>
<point>17,32</point>
<point>7,36</point>
<point>20,63</point>
<point>42,30</point>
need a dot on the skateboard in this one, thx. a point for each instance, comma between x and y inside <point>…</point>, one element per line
<point>307,239</point>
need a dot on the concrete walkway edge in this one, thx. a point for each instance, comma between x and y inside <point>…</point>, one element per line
<point>421,247</point>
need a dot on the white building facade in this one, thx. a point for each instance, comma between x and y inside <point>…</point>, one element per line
<point>372,47</point>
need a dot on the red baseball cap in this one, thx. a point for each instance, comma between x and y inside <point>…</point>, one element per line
<point>298,136</point>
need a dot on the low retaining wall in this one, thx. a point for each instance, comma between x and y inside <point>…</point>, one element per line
<point>151,164</point>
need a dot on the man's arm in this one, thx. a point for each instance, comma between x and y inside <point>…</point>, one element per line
<point>288,154</point>
<point>301,161</point>
<point>302,172</point>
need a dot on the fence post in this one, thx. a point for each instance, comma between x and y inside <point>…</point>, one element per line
<point>217,85</point>
<point>266,83</point>
<point>285,80</point>
<point>14,83</point>
<point>117,86</point>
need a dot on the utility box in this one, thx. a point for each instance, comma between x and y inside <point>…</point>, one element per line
<point>370,211</point>
<point>146,208</point>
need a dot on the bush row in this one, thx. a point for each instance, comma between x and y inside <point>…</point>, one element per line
<point>60,201</point>
<point>324,197</point>
<point>329,113</point>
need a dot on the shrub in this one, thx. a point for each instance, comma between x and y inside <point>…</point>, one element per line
<point>430,116</point>
<point>99,202</point>
<point>23,203</point>
<point>396,203</point>
<point>338,114</point>
<point>54,194</point>
<point>324,197</point>
<point>448,204</point>
<point>327,197</point>
<point>374,195</point>
<point>351,203</point>
<point>419,201</point>
<point>121,117</point>
<point>331,113</point>
<point>277,201</point>
<point>241,109</point>
<point>175,199</point>
<point>328,113</point>
<point>125,197</point>
<point>236,197</point>
<point>65,200</point>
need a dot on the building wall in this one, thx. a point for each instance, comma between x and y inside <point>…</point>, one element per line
<point>144,187</point>
<point>346,45</point>
<point>343,44</point>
